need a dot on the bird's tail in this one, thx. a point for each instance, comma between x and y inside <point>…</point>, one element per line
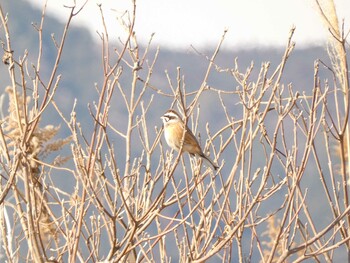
<point>215,167</point>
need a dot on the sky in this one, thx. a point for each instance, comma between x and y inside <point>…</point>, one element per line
<point>179,24</point>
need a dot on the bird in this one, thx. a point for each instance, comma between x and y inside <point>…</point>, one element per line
<point>173,133</point>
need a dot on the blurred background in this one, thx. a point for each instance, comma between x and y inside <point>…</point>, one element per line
<point>185,33</point>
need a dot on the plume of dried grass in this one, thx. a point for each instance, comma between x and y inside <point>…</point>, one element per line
<point>39,146</point>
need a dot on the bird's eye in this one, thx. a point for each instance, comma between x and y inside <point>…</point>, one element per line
<point>168,117</point>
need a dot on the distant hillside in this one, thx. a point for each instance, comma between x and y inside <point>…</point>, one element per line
<point>81,62</point>
<point>80,67</point>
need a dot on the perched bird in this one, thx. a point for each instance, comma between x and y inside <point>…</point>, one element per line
<point>173,132</point>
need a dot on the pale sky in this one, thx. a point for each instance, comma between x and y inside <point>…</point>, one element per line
<point>181,23</point>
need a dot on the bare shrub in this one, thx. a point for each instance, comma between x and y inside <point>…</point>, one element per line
<point>134,200</point>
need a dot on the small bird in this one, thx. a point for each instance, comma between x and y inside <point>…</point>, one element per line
<point>173,132</point>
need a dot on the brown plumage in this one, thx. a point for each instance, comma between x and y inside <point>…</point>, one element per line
<point>173,132</point>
